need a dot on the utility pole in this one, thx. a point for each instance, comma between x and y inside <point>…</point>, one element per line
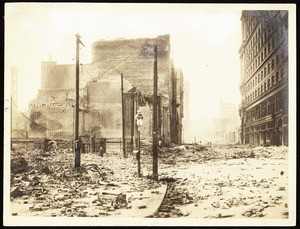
<point>77,144</point>
<point>154,144</point>
<point>11,127</point>
<point>123,117</point>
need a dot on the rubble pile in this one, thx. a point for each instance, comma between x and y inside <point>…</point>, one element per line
<point>202,154</point>
<point>47,181</point>
<point>220,179</point>
<point>196,154</point>
<point>234,152</point>
<point>186,154</point>
<point>212,179</point>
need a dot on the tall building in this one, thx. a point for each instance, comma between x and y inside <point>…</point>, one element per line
<point>264,78</point>
<point>227,121</point>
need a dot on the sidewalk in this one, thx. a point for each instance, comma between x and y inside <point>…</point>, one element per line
<point>144,204</point>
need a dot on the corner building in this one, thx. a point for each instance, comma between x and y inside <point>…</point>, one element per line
<point>264,78</point>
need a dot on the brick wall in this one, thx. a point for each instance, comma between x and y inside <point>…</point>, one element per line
<point>134,58</point>
<point>51,122</point>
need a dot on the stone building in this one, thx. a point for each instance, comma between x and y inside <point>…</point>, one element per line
<point>100,94</point>
<point>264,78</point>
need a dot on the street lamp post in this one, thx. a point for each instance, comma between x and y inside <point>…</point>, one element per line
<point>139,123</point>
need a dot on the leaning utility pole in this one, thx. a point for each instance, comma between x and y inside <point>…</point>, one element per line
<point>123,117</point>
<point>154,144</point>
<point>77,144</point>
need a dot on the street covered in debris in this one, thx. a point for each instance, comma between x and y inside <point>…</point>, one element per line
<point>157,116</point>
<point>198,181</point>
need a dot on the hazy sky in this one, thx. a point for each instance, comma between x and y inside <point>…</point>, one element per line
<point>204,40</point>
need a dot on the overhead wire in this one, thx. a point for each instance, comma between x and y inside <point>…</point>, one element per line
<point>97,83</point>
<point>29,118</point>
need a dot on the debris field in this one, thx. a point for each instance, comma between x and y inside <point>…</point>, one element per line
<point>218,181</point>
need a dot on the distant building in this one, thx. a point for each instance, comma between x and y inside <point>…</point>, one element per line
<point>227,122</point>
<point>100,94</point>
<point>264,78</point>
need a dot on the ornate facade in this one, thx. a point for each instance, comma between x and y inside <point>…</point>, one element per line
<point>264,78</point>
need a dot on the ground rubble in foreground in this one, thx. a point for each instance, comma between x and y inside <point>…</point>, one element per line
<point>225,181</point>
<point>46,183</point>
<point>204,181</point>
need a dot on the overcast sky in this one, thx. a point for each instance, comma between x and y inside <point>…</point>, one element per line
<point>204,39</point>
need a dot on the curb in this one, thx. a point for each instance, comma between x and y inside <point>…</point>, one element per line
<point>156,211</point>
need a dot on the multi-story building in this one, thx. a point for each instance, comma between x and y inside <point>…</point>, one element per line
<point>264,77</point>
<point>227,123</point>
<point>100,92</point>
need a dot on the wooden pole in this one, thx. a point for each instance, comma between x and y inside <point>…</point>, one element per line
<point>154,144</point>
<point>77,146</point>
<point>123,117</point>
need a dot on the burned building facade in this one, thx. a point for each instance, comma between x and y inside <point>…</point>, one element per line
<point>264,78</point>
<point>134,58</point>
<point>100,92</point>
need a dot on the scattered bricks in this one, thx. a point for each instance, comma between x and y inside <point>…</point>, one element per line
<point>18,165</point>
<point>36,207</point>
<point>79,205</point>
<point>46,170</point>
<point>111,208</point>
<point>254,212</point>
<point>63,210</point>
<point>95,201</point>
<point>103,213</point>
<point>59,197</point>
<point>281,188</point>
<point>215,205</point>
<point>47,205</point>
<point>16,192</point>
<point>41,197</point>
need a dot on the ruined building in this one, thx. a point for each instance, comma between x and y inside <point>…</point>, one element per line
<point>100,93</point>
<point>264,78</point>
